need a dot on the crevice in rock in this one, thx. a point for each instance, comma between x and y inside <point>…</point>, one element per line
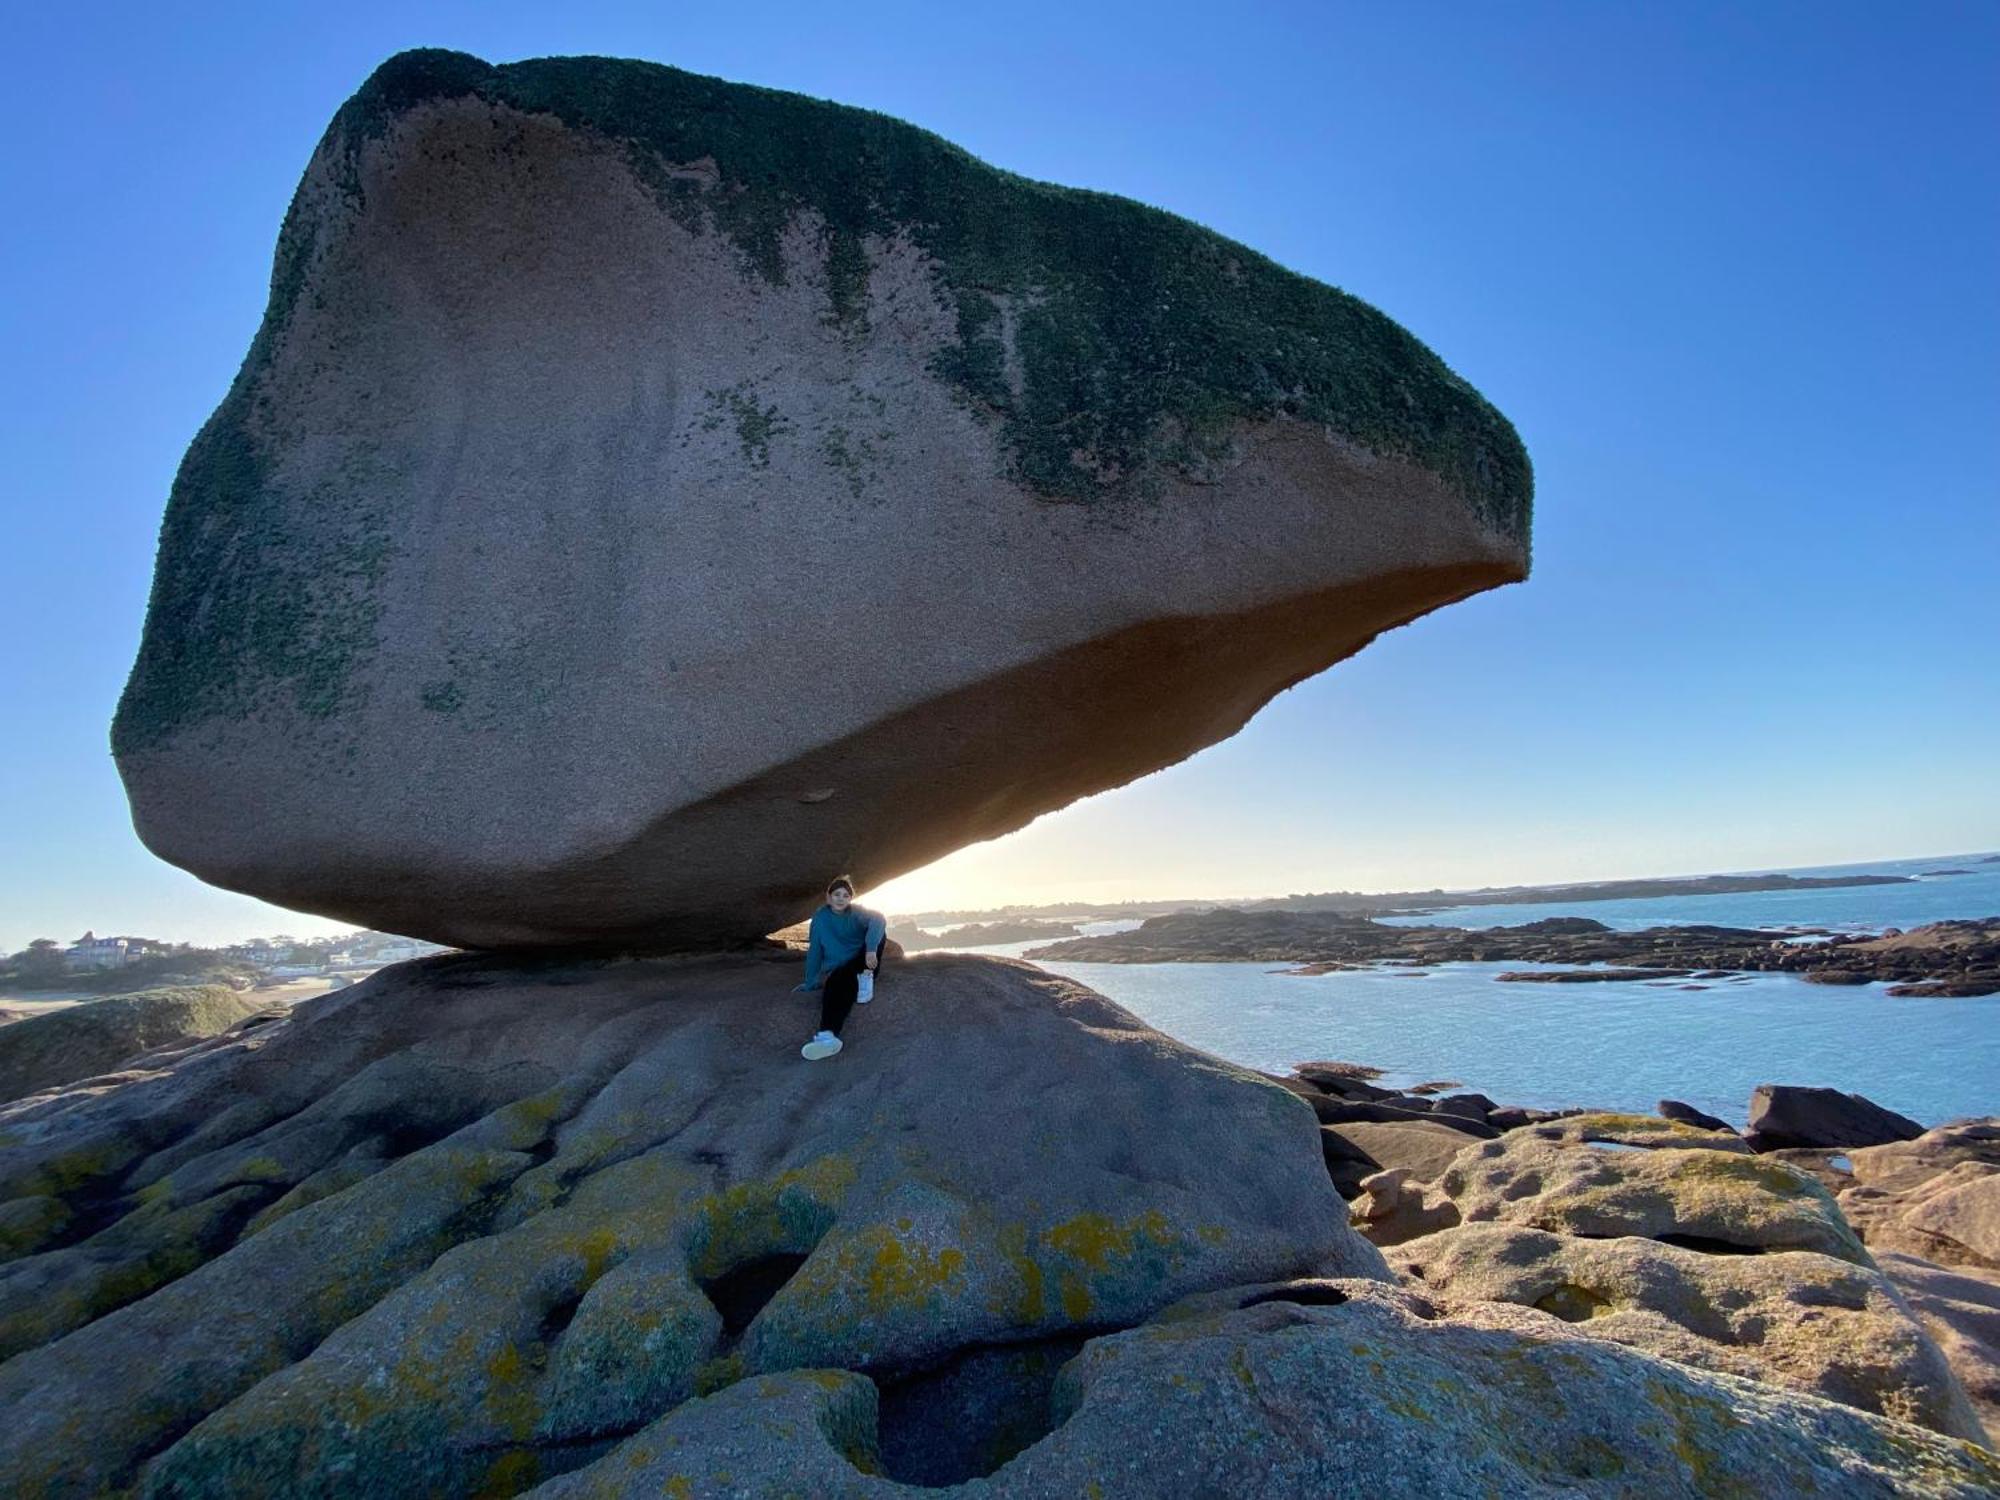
<point>542,1151</point>
<point>1708,1246</point>
<point>398,1140</point>
<point>559,1315</point>
<point>1309,1294</point>
<point>742,1291</point>
<point>966,1418</point>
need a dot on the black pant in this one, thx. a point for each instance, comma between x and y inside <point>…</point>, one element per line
<point>837,1000</point>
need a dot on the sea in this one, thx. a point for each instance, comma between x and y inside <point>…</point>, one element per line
<point>1614,1045</point>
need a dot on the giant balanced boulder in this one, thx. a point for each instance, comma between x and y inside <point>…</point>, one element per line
<point>647,495</point>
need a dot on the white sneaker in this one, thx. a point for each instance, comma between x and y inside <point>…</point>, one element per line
<point>823,1044</point>
<point>864,987</point>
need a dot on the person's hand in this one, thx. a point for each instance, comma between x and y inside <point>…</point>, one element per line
<point>871,960</point>
<point>802,989</point>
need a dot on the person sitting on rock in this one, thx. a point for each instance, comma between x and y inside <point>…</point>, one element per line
<point>843,948</point>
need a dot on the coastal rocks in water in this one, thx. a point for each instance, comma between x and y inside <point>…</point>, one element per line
<point>1586,976</point>
<point>1474,1107</point>
<point>1687,1114</point>
<point>1340,1112</point>
<point>62,1046</point>
<point>1320,1390</point>
<point>493,603</point>
<point>1806,1321</point>
<point>470,1222</point>
<point>1783,1115</point>
<point>1337,1076</point>
<point>1957,957</point>
<point>913,939</point>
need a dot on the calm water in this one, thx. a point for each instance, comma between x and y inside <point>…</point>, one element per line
<point>1623,1046</point>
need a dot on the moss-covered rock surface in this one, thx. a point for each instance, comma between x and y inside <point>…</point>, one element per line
<point>1322,1391</point>
<point>470,1224</point>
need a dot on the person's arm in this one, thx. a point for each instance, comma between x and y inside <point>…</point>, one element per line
<point>812,953</point>
<point>872,943</point>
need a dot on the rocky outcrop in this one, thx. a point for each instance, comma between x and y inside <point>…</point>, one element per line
<point>1326,1390</point>
<point>1898,1166</point>
<point>471,1223</point>
<point>647,495</point>
<point>1792,1115</point>
<point>1929,1210</point>
<point>63,1046</point>
<point>1960,1308</point>
<point>1805,1321</point>
<point>1687,1114</point>
<point>1712,1198</point>
<point>1952,1218</point>
<point>1356,1152</point>
<point>590,1227</point>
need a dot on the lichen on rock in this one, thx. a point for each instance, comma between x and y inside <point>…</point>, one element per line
<point>583,1194</point>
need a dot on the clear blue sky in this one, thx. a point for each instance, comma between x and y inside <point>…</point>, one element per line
<point>1733,270</point>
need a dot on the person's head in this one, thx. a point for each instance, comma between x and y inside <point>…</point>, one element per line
<point>840,893</point>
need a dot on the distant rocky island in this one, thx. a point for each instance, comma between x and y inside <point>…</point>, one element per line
<point>915,939</point>
<point>1954,958</point>
<point>1420,903</point>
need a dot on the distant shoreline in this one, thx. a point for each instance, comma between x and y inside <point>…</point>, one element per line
<point>1955,958</point>
<point>1420,903</point>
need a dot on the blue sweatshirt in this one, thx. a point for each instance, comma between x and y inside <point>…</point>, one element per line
<point>836,937</point>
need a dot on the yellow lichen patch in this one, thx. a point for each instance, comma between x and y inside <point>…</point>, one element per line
<point>717,1374</point>
<point>525,1122</point>
<point>596,1247</point>
<point>1574,1304</point>
<point>1409,1410</point>
<point>788,1212</point>
<point>902,1272</point>
<point>1697,1422</point>
<point>1773,1177</point>
<point>62,1175</point>
<point>259,1169</point>
<point>506,1365</point>
<point>1076,1303</point>
<point>1094,1239</point>
<point>1650,1124</point>
<point>1239,1366</point>
<point>1031,1305</point>
<point>512,1472</point>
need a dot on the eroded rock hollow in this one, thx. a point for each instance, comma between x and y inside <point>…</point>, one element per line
<point>648,494</point>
